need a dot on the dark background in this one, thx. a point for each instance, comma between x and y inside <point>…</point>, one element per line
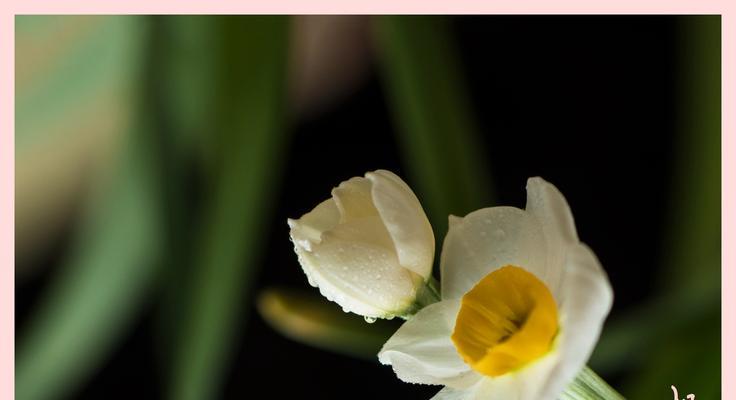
<point>585,102</point>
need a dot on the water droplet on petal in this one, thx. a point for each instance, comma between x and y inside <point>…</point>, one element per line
<point>369,320</point>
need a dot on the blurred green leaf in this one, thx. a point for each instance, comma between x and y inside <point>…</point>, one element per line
<point>69,66</point>
<point>658,340</point>
<point>434,118</point>
<point>688,356</point>
<point>183,88</point>
<point>248,138</point>
<point>692,252</point>
<point>630,340</point>
<point>75,79</point>
<point>310,319</point>
<point>186,83</point>
<point>92,301</point>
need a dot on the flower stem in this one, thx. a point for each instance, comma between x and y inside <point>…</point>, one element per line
<point>589,386</point>
<point>433,289</point>
<point>427,294</point>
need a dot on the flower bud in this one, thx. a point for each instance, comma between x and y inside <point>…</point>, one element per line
<point>369,248</point>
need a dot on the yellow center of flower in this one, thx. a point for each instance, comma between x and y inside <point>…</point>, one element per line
<point>507,320</point>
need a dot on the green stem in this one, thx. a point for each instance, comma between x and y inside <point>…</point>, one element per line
<point>436,126</point>
<point>589,386</point>
<point>433,287</point>
<point>428,294</point>
<point>248,136</point>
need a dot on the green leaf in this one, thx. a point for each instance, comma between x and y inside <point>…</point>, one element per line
<point>629,341</point>
<point>91,303</point>
<point>692,251</point>
<point>655,342</point>
<point>76,81</point>
<point>186,78</point>
<point>248,138</point>
<point>183,86</point>
<point>70,67</point>
<point>433,114</point>
<point>688,354</point>
<point>688,357</point>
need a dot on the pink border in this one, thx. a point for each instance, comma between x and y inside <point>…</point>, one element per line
<point>7,198</point>
<point>728,218</point>
<point>7,171</point>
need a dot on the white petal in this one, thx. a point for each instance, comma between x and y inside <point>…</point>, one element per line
<point>488,239</point>
<point>453,220</point>
<point>333,289</point>
<point>586,300</point>
<point>549,206</point>
<point>356,267</point>
<point>405,221</point>
<point>545,202</point>
<point>449,393</point>
<point>353,199</point>
<point>525,384</point>
<point>369,230</point>
<point>421,351</point>
<point>308,229</point>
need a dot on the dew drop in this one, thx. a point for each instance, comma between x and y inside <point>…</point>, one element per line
<point>369,320</point>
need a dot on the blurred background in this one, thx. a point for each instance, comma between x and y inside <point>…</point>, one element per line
<point>157,159</point>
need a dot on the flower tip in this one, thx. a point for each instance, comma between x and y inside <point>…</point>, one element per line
<point>379,174</point>
<point>536,180</point>
<point>378,171</point>
<point>382,358</point>
<point>384,355</point>
<point>454,220</point>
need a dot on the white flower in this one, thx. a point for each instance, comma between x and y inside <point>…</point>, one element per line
<point>523,303</point>
<point>369,248</point>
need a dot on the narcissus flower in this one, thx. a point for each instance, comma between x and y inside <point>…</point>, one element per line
<point>523,303</point>
<point>369,248</point>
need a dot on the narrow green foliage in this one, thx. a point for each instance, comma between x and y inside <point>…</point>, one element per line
<point>248,139</point>
<point>433,115</point>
